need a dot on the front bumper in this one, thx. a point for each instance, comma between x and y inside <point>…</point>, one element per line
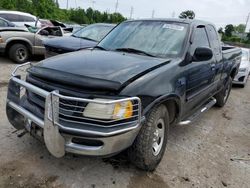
<point>2,47</point>
<point>85,139</point>
<point>241,77</point>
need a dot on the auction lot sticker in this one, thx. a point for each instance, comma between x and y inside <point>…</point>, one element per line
<point>173,27</point>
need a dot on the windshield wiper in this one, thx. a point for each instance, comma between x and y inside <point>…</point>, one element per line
<point>101,48</point>
<point>88,39</point>
<point>132,50</point>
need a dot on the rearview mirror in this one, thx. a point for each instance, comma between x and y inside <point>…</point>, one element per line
<point>202,54</point>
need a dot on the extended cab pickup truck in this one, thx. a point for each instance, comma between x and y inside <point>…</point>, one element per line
<point>143,77</point>
<point>20,43</point>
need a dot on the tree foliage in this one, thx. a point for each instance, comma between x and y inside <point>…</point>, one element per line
<point>240,28</point>
<point>220,31</point>
<point>49,9</point>
<point>229,30</point>
<point>188,14</point>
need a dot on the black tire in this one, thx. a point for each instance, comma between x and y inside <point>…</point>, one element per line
<point>142,153</point>
<point>223,95</point>
<point>19,53</point>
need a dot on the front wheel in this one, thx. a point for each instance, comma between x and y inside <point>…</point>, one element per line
<point>19,53</point>
<point>223,95</point>
<point>150,144</point>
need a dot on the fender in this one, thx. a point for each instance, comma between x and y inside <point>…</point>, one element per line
<point>18,39</point>
<point>162,99</point>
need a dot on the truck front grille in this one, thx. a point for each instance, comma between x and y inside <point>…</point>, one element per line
<point>71,108</point>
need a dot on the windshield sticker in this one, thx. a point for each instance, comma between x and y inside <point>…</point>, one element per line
<point>173,27</point>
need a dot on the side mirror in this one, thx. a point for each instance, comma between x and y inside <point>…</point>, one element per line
<point>202,54</point>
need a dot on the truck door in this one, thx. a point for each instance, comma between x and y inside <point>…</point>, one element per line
<point>199,74</point>
<point>216,47</point>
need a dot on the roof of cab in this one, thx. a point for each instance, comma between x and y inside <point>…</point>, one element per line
<point>187,21</point>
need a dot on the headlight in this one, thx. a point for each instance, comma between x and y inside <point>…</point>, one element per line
<point>242,70</point>
<point>120,110</point>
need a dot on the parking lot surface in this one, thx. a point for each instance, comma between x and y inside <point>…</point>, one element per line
<point>214,152</point>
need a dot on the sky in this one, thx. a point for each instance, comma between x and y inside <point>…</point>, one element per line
<point>220,12</point>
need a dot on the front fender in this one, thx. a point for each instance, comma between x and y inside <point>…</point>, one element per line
<point>13,39</point>
<point>163,99</point>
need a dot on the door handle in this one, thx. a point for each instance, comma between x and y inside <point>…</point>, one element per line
<point>213,67</point>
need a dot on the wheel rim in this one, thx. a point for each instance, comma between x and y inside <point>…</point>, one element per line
<point>21,54</point>
<point>227,92</point>
<point>158,137</point>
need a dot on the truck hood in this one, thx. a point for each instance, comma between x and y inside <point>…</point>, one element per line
<point>69,43</point>
<point>96,69</point>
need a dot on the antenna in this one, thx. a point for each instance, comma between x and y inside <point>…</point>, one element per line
<point>116,5</point>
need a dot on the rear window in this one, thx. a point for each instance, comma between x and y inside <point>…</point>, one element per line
<point>17,18</point>
<point>3,23</point>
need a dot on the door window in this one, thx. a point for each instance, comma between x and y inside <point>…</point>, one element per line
<point>214,39</point>
<point>200,39</point>
<point>3,23</point>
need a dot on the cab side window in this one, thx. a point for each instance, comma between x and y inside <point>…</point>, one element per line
<point>214,40</point>
<point>200,39</point>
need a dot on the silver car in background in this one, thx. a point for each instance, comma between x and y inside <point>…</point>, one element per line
<point>20,18</point>
<point>244,70</point>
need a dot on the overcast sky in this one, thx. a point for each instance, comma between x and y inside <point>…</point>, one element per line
<point>220,12</point>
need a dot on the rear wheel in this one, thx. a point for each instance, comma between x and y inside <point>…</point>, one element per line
<point>223,95</point>
<point>19,53</point>
<point>150,144</point>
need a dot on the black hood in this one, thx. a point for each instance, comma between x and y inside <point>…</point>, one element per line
<point>69,43</point>
<point>96,68</point>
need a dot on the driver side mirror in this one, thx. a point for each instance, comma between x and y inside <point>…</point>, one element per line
<point>202,54</point>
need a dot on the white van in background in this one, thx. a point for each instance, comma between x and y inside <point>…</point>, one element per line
<point>20,18</point>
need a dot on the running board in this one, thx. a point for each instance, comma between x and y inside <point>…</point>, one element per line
<point>203,109</point>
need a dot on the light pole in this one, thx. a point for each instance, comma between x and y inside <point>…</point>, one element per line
<point>242,35</point>
<point>247,22</point>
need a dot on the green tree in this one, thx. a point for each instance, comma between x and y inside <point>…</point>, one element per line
<point>240,28</point>
<point>248,37</point>
<point>220,31</point>
<point>49,9</point>
<point>8,4</point>
<point>188,14</point>
<point>228,30</point>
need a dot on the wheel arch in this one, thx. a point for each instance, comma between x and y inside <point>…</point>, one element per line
<point>18,41</point>
<point>233,72</point>
<point>172,103</point>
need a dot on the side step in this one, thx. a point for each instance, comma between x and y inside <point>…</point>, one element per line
<point>203,109</point>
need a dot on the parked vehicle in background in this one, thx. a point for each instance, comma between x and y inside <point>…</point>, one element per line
<point>6,23</point>
<point>244,70</point>
<point>20,18</point>
<point>86,37</point>
<point>45,22</point>
<point>142,78</point>
<point>21,43</point>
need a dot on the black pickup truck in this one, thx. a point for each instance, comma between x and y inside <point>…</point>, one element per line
<point>142,78</point>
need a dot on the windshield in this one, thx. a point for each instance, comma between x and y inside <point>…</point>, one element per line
<point>245,55</point>
<point>93,32</point>
<point>157,38</point>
